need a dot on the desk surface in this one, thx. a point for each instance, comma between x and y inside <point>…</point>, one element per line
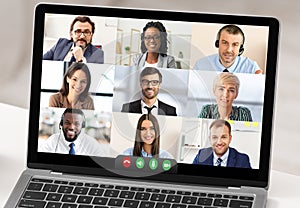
<point>284,188</point>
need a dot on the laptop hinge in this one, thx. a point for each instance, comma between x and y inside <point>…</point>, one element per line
<point>55,173</point>
<point>234,188</point>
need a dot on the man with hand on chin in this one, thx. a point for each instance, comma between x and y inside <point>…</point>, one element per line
<point>220,154</point>
<point>79,48</point>
<point>72,139</point>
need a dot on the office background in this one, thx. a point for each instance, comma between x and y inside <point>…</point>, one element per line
<point>16,47</point>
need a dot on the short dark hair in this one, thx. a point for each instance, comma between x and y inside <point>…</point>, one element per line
<point>220,123</point>
<point>83,19</point>
<point>73,111</point>
<point>231,29</point>
<point>149,71</point>
<point>163,37</point>
<point>71,70</point>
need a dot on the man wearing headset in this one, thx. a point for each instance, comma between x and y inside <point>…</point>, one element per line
<point>72,139</point>
<point>230,43</point>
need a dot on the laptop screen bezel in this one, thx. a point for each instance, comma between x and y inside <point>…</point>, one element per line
<point>209,175</point>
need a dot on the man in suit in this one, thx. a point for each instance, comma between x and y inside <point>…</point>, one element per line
<point>150,81</point>
<point>220,154</point>
<point>79,48</point>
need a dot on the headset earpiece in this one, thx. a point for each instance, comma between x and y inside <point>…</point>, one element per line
<point>241,50</point>
<point>217,43</point>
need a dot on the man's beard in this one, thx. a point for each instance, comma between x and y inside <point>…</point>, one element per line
<point>81,46</point>
<point>71,139</point>
<point>144,92</point>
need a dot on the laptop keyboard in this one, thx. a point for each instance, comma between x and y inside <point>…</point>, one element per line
<point>47,193</point>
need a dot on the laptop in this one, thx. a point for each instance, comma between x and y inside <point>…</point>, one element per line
<point>107,171</point>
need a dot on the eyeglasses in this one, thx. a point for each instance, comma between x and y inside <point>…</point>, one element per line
<point>155,37</point>
<point>86,33</point>
<point>147,82</point>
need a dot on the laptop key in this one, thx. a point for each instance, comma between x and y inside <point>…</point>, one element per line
<point>65,189</point>
<point>116,202</point>
<point>179,206</point>
<point>69,198</point>
<point>111,193</point>
<point>205,201</point>
<point>158,197</point>
<point>147,204</point>
<point>131,203</point>
<point>100,201</point>
<point>53,197</point>
<point>142,196</point>
<point>96,192</point>
<point>53,205</point>
<point>162,205</point>
<point>250,198</point>
<point>173,198</point>
<point>84,199</point>
<point>34,195</point>
<point>69,206</point>
<point>31,203</point>
<point>127,194</point>
<point>189,200</point>
<point>80,190</point>
<point>35,186</point>
<point>50,187</point>
<point>41,180</point>
<point>240,204</point>
<point>221,202</point>
<point>194,206</point>
<point>85,206</point>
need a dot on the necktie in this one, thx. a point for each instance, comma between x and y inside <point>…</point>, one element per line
<point>149,109</point>
<point>219,161</point>
<point>225,70</point>
<point>72,59</point>
<point>72,150</point>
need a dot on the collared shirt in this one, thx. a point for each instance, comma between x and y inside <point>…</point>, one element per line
<point>69,55</point>
<point>237,113</point>
<point>84,145</point>
<point>224,159</point>
<point>241,64</point>
<point>162,153</point>
<point>154,111</point>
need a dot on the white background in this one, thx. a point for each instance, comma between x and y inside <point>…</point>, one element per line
<point>16,46</point>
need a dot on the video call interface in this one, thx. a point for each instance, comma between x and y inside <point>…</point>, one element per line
<point>108,116</point>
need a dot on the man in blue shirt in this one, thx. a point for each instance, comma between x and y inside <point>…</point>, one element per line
<point>230,44</point>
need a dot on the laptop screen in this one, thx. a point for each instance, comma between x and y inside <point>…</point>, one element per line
<point>178,96</point>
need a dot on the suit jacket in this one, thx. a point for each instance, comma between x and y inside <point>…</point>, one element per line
<point>136,107</point>
<point>235,158</point>
<point>59,51</point>
<point>163,61</point>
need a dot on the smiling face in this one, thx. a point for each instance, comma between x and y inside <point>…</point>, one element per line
<point>150,89</point>
<point>220,139</point>
<point>82,34</point>
<point>147,132</point>
<point>225,94</point>
<point>72,123</point>
<point>152,39</point>
<point>229,46</point>
<point>77,82</point>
